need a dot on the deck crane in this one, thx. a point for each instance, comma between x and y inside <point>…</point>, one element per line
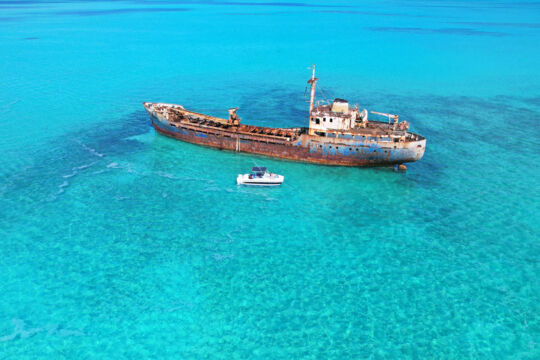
<point>403,126</point>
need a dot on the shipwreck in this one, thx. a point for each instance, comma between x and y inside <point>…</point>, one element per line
<point>337,134</point>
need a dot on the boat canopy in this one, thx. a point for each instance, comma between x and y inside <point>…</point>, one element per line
<point>258,169</point>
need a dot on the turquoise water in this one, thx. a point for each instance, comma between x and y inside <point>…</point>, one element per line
<point>120,243</point>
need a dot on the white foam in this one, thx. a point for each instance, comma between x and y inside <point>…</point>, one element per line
<point>76,170</point>
<point>69,175</point>
<point>20,331</point>
<point>166,175</point>
<point>222,257</point>
<point>82,167</point>
<point>91,150</point>
<point>62,186</point>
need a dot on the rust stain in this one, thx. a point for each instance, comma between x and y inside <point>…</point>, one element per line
<point>337,134</point>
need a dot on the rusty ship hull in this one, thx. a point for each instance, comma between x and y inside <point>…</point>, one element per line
<point>378,144</point>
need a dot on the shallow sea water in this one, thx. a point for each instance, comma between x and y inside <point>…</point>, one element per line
<point>118,242</point>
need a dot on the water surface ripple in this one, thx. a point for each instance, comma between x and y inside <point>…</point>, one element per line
<point>120,243</point>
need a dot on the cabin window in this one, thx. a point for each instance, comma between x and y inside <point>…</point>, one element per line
<point>324,119</point>
<point>330,146</point>
<point>317,121</point>
<point>330,119</point>
<point>350,149</point>
<point>356,149</point>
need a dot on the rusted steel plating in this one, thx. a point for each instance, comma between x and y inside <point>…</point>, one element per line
<point>337,134</point>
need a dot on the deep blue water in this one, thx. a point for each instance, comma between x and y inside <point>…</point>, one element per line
<point>120,243</point>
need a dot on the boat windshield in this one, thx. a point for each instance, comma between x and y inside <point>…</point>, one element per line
<point>258,170</point>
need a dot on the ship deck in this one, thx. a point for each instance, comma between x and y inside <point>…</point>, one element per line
<point>380,129</point>
<point>196,120</point>
<point>204,121</point>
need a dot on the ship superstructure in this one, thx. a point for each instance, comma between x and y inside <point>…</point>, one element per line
<point>338,134</point>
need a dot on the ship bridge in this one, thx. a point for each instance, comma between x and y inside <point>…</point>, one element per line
<point>337,116</point>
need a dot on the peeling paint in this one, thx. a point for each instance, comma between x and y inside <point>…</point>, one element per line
<point>377,145</point>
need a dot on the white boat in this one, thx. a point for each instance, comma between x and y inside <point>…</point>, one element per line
<point>260,176</point>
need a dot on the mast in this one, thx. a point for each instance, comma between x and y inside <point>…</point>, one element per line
<point>312,81</point>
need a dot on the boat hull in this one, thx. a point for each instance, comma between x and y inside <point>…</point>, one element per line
<point>245,179</point>
<point>306,148</point>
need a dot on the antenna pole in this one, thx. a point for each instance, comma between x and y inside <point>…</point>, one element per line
<point>312,81</point>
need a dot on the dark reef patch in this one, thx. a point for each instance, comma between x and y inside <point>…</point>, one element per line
<point>477,5</point>
<point>77,152</point>
<point>449,31</point>
<point>497,24</point>
<point>451,125</point>
<point>260,13</point>
<point>370,13</point>
<point>241,3</point>
<point>119,11</point>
